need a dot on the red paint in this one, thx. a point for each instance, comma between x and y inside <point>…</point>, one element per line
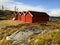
<point>28,18</point>
<point>40,19</point>
<point>32,19</point>
<point>19,16</point>
<point>23,17</point>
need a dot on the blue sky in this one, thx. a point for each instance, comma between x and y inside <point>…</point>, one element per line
<point>52,7</point>
<point>49,4</point>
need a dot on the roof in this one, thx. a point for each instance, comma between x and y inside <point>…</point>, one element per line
<point>19,13</point>
<point>23,13</point>
<point>35,13</point>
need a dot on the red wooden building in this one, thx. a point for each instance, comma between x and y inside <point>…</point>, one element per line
<point>23,16</point>
<point>33,16</point>
<point>19,16</point>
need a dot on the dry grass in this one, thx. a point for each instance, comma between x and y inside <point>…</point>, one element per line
<point>9,23</point>
<point>7,27</point>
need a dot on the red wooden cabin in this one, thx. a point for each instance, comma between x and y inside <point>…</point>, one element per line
<point>23,16</point>
<point>28,17</point>
<point>19,16</point>
<point>33,16</point>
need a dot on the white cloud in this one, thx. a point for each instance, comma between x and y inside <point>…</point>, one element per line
<point>3,1</point>
<point>27,7</point>
<point>10,4</point>
<point>55,12</point>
